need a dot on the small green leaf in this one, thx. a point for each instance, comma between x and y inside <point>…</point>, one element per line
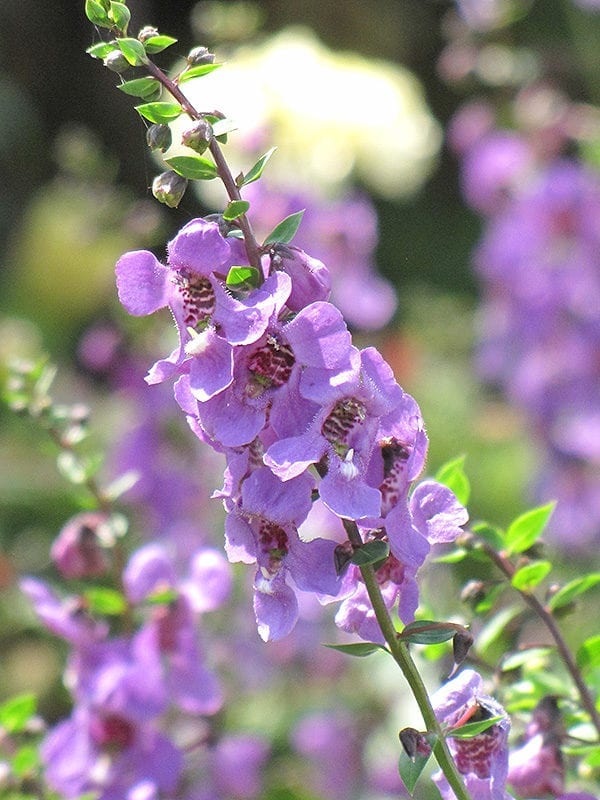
<point>120,15</point>
<point>133,50</point>
<point>410,770</point>
<point>197,72</point>
<point>524,531</point>
<point>160,113</point>
<point>101,49</point>
<point>140,87</point>
<point>493,536</point>
<point>155,44</point>
<point>102,600</point>
<point>359,649</point>
<point>243,277</point>
<point>371,553</point>
<point>452,475</point>
<point>453,557</point>
<point>588,655</point>
<point>235,209</point>
<point>221,126</point>
<point>472,729</point>
<point>96,13</point>
<point>26,760</point>
<point>257,170</point>
<point>162,598</point>
<point>427,631</point>
<point>286,230</point>
<point>16,712</point>
<point>527,578</point>
<point>573,589</point>
<point>196,168</point>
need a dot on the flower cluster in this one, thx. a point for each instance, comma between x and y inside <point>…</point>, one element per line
<point>267,374</point>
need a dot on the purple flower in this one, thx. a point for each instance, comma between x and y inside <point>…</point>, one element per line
<point>108,754</point>
<point>482,759</point>
<point>264,529</point>
<point>77,551</point>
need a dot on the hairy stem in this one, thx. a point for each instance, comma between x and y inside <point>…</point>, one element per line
<point>402,657</point>
<point>233,192</point>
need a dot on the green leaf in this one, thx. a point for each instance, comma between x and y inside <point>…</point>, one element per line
<point>197,72</point>
<point>472,729</point>
<point>526,529</point>
<point>140,87</point>
<point>96,13</point>
<point>286,230</point>
<point>102,600</point>
<point>410,770</point>
<point>453,557</point>
<point>163,597</point>
<point>371,553</point>
<point>196,168</point>
<point>453,476</point>
<point>101,49</point>
<point>235,209</point>
<point>527,578</point>
<point>16,712</point>
<point>26,760</point>
<point>496,627</point>
<point>588,655</point>
<point>221,126</point>
<point>160,113</point>
<point>120,15</point>
<point>573,589</point>
<point>493,536</point>
<point>426,631</point>
<point>243,277</point>
<point>257,170</point>
<point>133,50</point>
<point>359,649</point>
<point>155,44</point>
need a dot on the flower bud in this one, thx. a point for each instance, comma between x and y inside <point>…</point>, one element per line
<point>198,136</point>
<point>147,32</point>
<point>169,188</point>
<point>414,743</point>
<point>76,551</point>
<point>200,55</point>
<point>461,644</point>
<point>116,61</point>
<point>158,137</point>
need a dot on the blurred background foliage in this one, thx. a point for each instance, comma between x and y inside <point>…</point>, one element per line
<point>76,172</point>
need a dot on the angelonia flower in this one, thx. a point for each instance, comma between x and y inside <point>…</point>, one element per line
<point>539,266</point>
<point>483,759</point>
<point>536,767</point>
<point>267,375</point>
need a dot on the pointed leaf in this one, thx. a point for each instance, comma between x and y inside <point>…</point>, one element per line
<point>16,712</point>
<point>235,209</point>
<point>360,649</point>
<point>573,589</point>
<point>195,168</point>
<point>371,553</point>
<point>286,230</point>
<point>452,475</point>
<point>588,655</point>
<point>492,535</point>
<point>96,13</point>
<point>159,113</point>
<point>426,631</point>
<point>410,770</point>
<point>133,50</point>
<point>257,170</point>
<point>527,578</point>
<point>101,49</point>
<point>524,531</point>
<point>102,600</point>
<point>517,660</point>
<point>155,44</point>
<point>472,729</point>
<point>197,72</point>
<point>140,87</point>
<point>120,15</point>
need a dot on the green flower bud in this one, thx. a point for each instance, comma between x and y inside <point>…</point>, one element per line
<point>116,61</point>
<point>159,137</point>
<point>169,188</point>
<point>198,136</point>
<point>200,55</point>
<point>147,32</point>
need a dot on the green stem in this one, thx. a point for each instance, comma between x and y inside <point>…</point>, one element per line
<point>402,657</point>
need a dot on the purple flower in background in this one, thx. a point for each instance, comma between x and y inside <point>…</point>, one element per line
<point>482,759</point>
<point>232,768</point>
<point>77,550</point>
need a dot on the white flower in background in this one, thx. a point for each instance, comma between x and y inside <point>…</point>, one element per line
<point>333,116</point>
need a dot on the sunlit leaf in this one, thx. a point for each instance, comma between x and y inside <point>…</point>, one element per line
<point>472,729</point>
<point>247,277</point>
<point>16,712</point>
<point>133,50</point>
<point>235,209</point>
<point>120,15</point>
<point>155,44</point>
<point>256,171</point>
<point>527,577</point>
<point>96,13</point>
<point>102,49</point>
<point>102,600</point>
<point>197,72</point>
<point>196,168</point>
<point>588,655</point>
<point>160,113</point>
<point>286,230</point>
<point>526,529</point>
<point>452,475</point>
<point>140,87</point>
<point>573,589</point>
<point>371,553</point>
